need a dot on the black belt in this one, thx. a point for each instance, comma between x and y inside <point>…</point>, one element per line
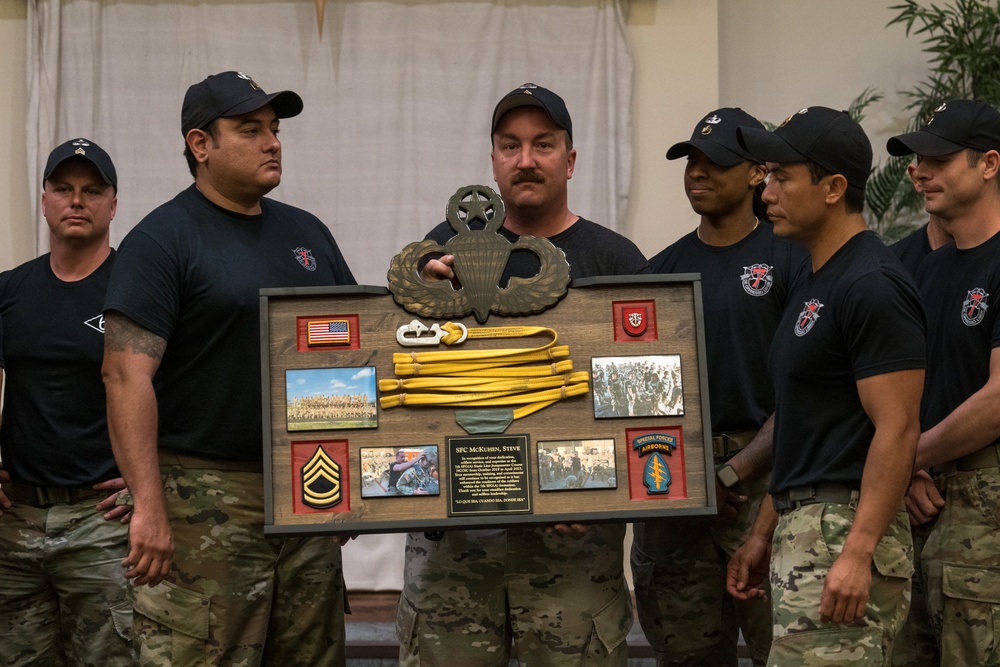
<point>726,444</point>
<point>987,457</point>
<point>47,496</point>
<point>811,495</point>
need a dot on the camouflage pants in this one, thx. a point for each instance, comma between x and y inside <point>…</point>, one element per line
<point>561,599</point>
<point>806,543</point>
<point>962,564</point>
<point>679,571</point>
<point>62,587</point>
<point>234,597</point>
<point>916,644</point>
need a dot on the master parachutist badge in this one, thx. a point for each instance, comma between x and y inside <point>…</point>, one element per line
<point>481,255</point>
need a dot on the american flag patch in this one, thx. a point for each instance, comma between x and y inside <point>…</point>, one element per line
<point>328,332</point>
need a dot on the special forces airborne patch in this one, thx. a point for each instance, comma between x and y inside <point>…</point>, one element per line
<point>656,463</point>
<point>655,474</point>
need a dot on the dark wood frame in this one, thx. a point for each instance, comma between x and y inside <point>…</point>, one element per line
<point>583,321</point>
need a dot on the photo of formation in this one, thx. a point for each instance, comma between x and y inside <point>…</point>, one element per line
<point>330,398</point>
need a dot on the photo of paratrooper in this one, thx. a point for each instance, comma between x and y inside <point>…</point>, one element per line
<point>399,471</point>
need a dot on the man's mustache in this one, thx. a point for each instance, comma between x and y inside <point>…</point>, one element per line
<point>527,177</point>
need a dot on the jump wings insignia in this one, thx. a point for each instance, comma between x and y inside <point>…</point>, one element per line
<point>321,481</point>
<point>481,255</point>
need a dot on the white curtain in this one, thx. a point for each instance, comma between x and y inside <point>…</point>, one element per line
<point>398,99</point>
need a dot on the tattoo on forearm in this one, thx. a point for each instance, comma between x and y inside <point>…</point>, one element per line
<point>123,335</point>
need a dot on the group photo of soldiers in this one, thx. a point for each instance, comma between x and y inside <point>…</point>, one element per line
<point>329,398</point>
<point>642,386</point>
<point>576,464</point>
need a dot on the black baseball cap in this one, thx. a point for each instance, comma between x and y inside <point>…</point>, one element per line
<point>830,138</point>
<point>954,125</point>
<point>530,95</point>
<point>231,94</point>
<point>715,136</point>
<point>83,150</point>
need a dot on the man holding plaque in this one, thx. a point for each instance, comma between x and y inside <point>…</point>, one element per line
<point>848,363</point>
<point>558,593</point>
<point>184,399</point>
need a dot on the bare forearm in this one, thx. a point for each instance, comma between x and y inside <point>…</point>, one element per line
<point>132,425</point>
<point>131,357</point>
<point>970,427</point>
<point>766,521</point>
<point>887,474</point>
<point>892,402</point>
<point>754,460</point>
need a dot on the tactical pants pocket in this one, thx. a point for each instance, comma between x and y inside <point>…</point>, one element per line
<point>406,621</point>
<point>610,628</point>
<point>971,633</point>
<point>121,616</point>
<point>833,646</point>
<point>171,625</point>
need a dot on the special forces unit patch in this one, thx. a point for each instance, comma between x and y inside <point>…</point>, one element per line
<point>634,320</point>
<point>974,307</point>
<point>305,257</point>
<point>757,279</point>
<point>321,481</point>
<point>656,472</point>
<point>807,318</point>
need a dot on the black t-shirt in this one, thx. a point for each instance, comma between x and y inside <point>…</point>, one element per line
<point>912,249</point>
<point>857,317</point>
<point>592,250</point>
<point>963,327</point>
<point>191,272</point>
<point>54,430</point>
<point>745,288</point>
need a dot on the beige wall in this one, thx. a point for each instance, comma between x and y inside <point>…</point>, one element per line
<point>17,233</point>
<point>777,56</point>
<point>675,50</point>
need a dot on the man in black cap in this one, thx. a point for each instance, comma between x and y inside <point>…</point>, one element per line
<point>957,170</point>
<point>558,593</point>
<point>847,362</point>
<point>184,405</point>
<point>62,532</point>
<point>679,564</point>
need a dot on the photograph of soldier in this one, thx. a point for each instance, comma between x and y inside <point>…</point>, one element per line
<point>642,386</point>
<point>567,465</point>
<point>399,471</point>
<point>330,398</point>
